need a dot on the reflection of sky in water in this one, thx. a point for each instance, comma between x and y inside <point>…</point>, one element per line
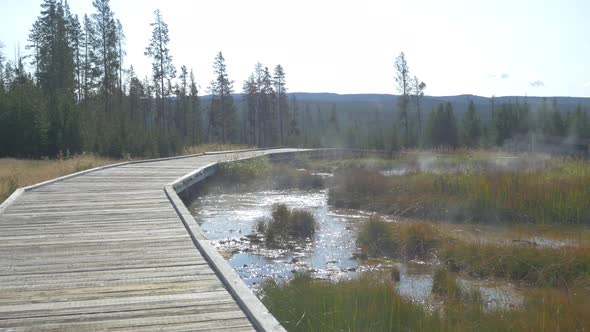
<point>227,219</point>
<point>232,216</point>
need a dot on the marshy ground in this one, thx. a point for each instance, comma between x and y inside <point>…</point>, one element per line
<point>442,242</point>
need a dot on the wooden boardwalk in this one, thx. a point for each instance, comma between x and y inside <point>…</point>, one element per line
<point>115,249</point>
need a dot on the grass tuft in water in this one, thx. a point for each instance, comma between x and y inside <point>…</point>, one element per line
<point>446,286</point>
<point>287,225</point>
<point>379,238</point>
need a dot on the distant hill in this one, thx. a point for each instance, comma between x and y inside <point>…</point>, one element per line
<point>386,103</point>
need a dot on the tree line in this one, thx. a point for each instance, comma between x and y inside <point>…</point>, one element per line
<point>72,92</point>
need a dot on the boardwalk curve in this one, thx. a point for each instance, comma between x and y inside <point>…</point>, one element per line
<point>114,248</point>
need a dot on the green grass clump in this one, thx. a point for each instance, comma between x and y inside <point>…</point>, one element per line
<point>365,304</point>
<point>445,285</point>
<point>410,240</point>
<point>245,170</point>
<point>287,225</point>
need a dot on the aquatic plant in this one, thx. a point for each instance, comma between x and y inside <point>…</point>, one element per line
<point>411,240</point>
<point>286,225</point>
<point>373,304</point>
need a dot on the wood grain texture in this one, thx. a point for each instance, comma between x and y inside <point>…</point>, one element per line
<point>110,249</point>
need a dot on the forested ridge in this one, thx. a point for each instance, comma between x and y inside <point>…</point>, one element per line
<point>70,91</point>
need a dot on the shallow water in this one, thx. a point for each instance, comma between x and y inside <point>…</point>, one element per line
<point>227,219</point>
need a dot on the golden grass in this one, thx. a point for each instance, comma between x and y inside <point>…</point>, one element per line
<point>557,193</point>
<point>213,147</point>
<point>16,173</point>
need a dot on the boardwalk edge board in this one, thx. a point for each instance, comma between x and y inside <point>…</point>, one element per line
<point>260,317</point>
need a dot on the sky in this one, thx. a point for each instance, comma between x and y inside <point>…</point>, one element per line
<point>503,47</point>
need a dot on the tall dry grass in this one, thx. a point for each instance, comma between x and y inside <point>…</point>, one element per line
<point>15,173</point>
<point>539,266</point>
<point>558,193</point>
<point>211,147</point>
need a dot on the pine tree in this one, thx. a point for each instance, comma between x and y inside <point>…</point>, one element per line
<point>403,81</point>
<point>88,74</point>
<point>558,124</point>
<point>442,127</point>
<point>417,93</point>
<point>51,40</point>
<point>251,93</point>
<point>293,131</point>
<point>267,108</point>
<point>195,110</point>
<point>222,114</point>
<point>580,126</point>
<point>162,67</point>
<point>105,55</point>
<point>75,39</point>
<point>471,127</point>
<point>282,102</point>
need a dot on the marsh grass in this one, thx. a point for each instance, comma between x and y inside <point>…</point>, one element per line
<point>402,240</point>
<point>286,225</point>
<point>446,286</point>
<point>539,266</point>
<point>364,304</point>
<point>15,173</point>
<point>373,304</point>
<point>245,170</point>
<point>285,176</point>
<point>262,174</point>
<point>550,267</point>
<point>558,193</point>
<point>211,147</point>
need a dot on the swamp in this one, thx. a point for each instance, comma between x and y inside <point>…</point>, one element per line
<point>421,241</point>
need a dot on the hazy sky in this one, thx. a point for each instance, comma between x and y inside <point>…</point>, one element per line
<point>504,47</point>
